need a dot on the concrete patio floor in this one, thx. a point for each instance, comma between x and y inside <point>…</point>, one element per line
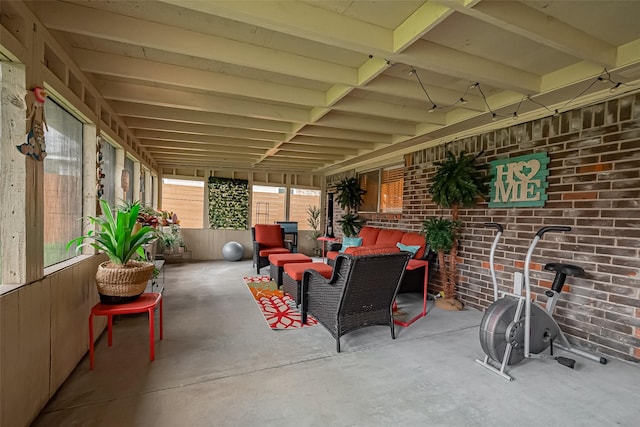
<point>220,365</point>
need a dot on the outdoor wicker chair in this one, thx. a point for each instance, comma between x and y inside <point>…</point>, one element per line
<point>268,239</point>
<point>360,293</point>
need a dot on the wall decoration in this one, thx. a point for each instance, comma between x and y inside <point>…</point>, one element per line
<point>228,203</point>
<point>99,176</point>
<point>35,146</point>
<point>519,181</point>
<point>124,180</point>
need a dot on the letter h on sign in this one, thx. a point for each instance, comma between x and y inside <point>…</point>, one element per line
<point>519,181</point>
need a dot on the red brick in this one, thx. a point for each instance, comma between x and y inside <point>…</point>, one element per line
<point>592,195</point>
<point>532,265</point>
<point>595,168</point>
<point>545,284</point>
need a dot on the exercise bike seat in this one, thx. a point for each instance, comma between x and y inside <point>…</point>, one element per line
<point>562,271</point>
<point>567,269</point>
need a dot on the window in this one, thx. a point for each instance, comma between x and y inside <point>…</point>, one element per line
<point>109,169</point>
<point>268,204</point>
<point>370,182</point>
<point>128,166</point>
<point>384,190</point>
<point>62,183</point>
<point>300,201</point>
<point>391,183</point>
<point>186,199</point>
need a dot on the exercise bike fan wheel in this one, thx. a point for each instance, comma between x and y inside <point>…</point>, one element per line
<point>498,328</point>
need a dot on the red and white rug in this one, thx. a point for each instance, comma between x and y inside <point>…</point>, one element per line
<point>278,309</point>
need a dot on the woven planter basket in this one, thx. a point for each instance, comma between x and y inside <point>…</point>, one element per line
<point>121,284</point>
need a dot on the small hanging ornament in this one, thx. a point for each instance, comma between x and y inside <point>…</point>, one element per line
<point>36,124</point>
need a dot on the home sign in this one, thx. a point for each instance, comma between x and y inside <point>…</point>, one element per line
<point>519,181</point>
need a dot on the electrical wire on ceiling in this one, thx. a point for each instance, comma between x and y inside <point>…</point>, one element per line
<point>604,76</point>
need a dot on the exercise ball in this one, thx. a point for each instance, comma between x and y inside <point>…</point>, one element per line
<point>232,251</point>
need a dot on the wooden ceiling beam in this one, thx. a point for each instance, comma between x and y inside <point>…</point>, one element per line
<point>132,109</point>
<point>191,78</point>
<point>182,99</point>
<point>111,26</point>
<point>137,123</point>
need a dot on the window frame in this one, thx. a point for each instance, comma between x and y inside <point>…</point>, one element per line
<point>69,256</point>
<point>379,196</point>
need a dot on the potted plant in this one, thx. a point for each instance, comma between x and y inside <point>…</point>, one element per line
<point>350,224</point>
<point>313,220</point>
<point>458,182</point>
<point>349,197</point>
<point>171,239</point>
<point>121,279</point>
<point>441,233</point>
<point>168,240</point>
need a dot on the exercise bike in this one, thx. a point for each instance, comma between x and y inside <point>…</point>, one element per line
<point>515,328</point>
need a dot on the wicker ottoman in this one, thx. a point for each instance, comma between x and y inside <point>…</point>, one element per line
<point>292,278</point>
<point>278,261</point>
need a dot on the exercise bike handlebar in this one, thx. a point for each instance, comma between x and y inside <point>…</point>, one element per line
<point>527,284</point>
<point>492,256</point>
<point>552,228</point>
<point>494,225</point>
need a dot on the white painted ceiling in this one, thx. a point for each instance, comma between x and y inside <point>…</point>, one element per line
<point>326,85</point>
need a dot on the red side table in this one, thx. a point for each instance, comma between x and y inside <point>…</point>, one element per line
<point>147,302</point>
<point>324,240</point>
<point>415,264</point>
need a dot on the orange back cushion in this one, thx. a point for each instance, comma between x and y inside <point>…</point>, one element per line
<point>415,239</point>
<point>269,235</point>
<point>359,251</point>
<point>389,237</point>
<point>369,235</point>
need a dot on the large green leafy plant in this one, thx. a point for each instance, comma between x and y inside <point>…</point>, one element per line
<point>116,233</point>
<point>441,234</point>
<point>458,182</point>
<point>349,196</point>
<point>350,224</point>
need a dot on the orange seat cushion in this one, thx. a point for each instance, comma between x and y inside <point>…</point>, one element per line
<point>295,271</point>
<point>268,251</point>
<point>280,259</point>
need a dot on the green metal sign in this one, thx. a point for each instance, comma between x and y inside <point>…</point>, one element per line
<point>519,181</point>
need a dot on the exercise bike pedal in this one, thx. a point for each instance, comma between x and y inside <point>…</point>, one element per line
<point>565,361</point>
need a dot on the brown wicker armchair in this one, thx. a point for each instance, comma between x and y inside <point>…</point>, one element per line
<point>360,293</point>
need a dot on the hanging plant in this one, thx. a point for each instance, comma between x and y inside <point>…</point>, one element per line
<point>350,224</point>
<point>349,196</point>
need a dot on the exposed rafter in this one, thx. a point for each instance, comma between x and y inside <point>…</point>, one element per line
<point>321,86</point>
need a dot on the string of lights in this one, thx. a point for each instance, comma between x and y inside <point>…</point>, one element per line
<point>604,76</point>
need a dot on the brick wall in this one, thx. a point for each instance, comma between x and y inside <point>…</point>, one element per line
<point>594,187</point>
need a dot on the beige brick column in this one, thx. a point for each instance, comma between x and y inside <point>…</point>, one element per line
<point>13,166</point>
<point>89,178</point>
